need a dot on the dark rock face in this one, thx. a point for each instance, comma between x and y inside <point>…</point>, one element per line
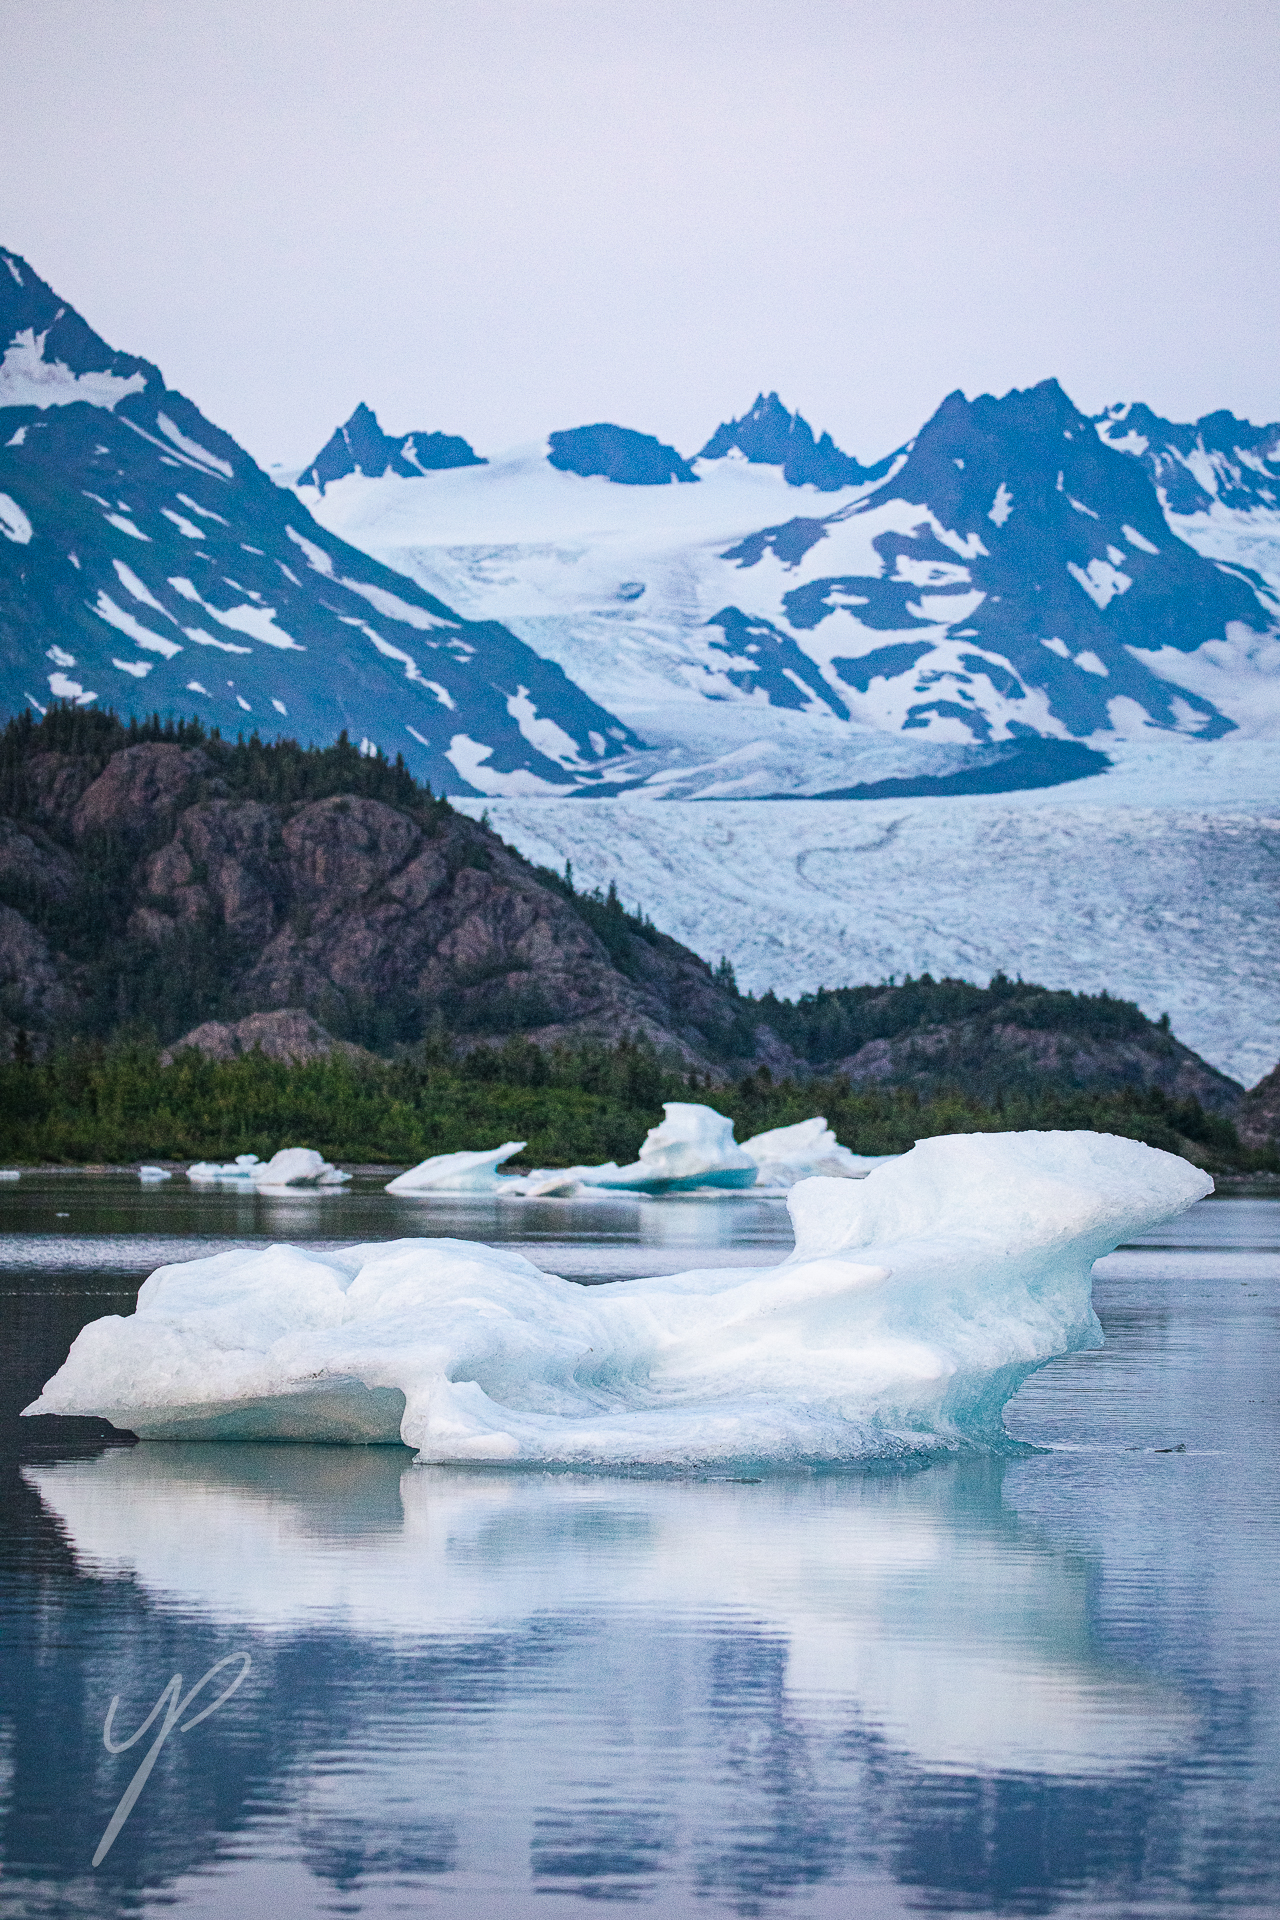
<point>352,913</point>
<point>360,446</point>
<point>33,993</point>
<point>619,454</point>
<point>977,1053</point>
<point>1258,1118</point>
<point>288,1034</point>
<point>148,565</point>
<point>767,661</point>
<point>770,436</point>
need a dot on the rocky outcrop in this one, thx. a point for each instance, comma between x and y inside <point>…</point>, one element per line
<point>34,997</point>
<point>138,788</point>
<point>984,1057</point>
<point>287,1034</point>
<point>363,917</point>
<point>1258,1116</point>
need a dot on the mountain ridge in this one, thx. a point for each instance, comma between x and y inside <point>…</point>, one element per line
<point>141,548</point>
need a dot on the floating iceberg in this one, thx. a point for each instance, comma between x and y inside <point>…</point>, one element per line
<point>290,1167</point>
<point>205,1172</point>
<point>784,1155</point>
<point>914,1305</point>
<point>693,1147</point>
<point>152,1176</point>
<point>456,1172</point>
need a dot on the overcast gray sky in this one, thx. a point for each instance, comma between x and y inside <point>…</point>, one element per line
<point>498,217</point>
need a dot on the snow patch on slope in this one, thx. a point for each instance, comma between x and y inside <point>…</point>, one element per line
<point>27,379</point>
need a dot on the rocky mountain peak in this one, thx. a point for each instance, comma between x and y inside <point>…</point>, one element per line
<point>768,435</point>
<point>360,446</point>
<point>620,454</point>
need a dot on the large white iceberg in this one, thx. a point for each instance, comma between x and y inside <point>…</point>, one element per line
<point>784,1155</point>
<point>290,1167</point>
<point>914,1305</point>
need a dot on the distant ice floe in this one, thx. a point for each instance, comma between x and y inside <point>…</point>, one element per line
<point>915,1304</point>
<point>152,1176</point>
<point>290,1167</point>
<point>692,1149</point>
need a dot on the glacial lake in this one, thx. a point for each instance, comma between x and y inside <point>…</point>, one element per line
<point>1044,1684</point>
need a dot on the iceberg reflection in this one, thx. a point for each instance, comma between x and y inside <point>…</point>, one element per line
<point>911,1604</point>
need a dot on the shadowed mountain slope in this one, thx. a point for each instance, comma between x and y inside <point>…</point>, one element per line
<point>147,563</point>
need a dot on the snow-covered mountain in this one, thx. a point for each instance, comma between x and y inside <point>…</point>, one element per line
<point>976,606</point>
<point>1218,479</point>
<point>148,564</point>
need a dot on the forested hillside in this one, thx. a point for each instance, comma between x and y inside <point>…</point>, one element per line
<point>176,909</point>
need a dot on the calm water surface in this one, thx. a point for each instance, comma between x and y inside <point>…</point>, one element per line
<point>1048,1684</point>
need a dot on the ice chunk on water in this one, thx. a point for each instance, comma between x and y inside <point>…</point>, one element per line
<point>298,1167</point>
<point>203,1172</point>
<point>456,1172</point>
<point>914,1305</point>
<point>290,1167</point>
<point>787,1154</point>
<point>693,1147</point>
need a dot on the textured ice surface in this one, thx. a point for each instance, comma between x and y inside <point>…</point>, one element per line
<point>1138,881</point>
<point>456,1172</point>
<point>787,1154</point>
<point>693,1147</point>
<point>915,1303</point>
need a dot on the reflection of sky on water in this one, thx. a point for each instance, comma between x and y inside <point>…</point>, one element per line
<point>1032,1686</point>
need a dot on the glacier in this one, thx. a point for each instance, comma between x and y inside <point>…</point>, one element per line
<point>1137,881</point>
<point>915,1303</point>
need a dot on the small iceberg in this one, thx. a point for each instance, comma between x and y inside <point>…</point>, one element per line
<point>10,1173</point>
<point>449,1173</point>
<point>290,1167</point>
<point>915,1304</point>
<point>784,1155</point>
<point>206,1172</point>
<point>457,1172</point>
<point>152,1176</point>
<point>693,1147</point>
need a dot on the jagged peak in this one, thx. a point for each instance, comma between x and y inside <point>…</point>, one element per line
<point>359,445</point>
<point>768,434</point>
